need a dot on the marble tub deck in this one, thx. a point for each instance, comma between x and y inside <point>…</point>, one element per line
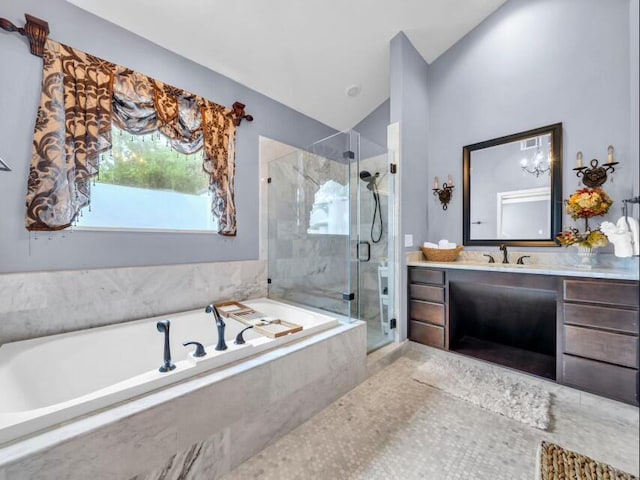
<point>203,427</point>
<point>392,427</point>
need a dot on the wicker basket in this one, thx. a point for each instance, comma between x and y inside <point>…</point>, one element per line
<point>441,255</point>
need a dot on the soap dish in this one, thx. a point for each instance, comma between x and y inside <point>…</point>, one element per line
<point>441,254</point>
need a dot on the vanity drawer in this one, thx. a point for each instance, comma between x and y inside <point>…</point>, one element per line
<point>611,293</point>
<point>609,380</point>
<point>426,312</point>
<point>426,293</point>
<point>601,317</point>
<point>423,275</point>
<point>598,345</point>
<point>426,334</point>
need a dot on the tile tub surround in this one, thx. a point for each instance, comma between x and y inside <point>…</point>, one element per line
<point>210,424</point>
<point>540,263</point>
<point>37,304</point>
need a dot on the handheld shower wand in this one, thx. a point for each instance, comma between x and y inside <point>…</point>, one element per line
<point>372,185</point>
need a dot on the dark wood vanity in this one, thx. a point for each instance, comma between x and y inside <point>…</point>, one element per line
<point>581,332</point>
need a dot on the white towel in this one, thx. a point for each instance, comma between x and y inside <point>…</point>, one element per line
<point>443,243</point>
<point>620,236</point>
<point>429,245</point>
<point>630,224</point>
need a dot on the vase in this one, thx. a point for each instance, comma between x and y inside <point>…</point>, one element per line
<point>586,256</point>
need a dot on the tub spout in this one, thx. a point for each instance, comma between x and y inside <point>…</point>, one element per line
<point>220,326</point>
<point>163,327</point>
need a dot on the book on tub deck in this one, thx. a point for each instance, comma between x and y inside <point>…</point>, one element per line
<point>263,324</point>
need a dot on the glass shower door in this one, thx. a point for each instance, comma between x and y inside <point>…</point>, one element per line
<point>309,226</point>
<point>375,247</point>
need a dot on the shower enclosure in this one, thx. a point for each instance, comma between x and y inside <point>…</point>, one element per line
<point>330,231</point>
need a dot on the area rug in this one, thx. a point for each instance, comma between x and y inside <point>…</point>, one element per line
<point>557,463</point>
<point>487,388</point>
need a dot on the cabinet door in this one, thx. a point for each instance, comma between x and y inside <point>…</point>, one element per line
<point>608,380</point>
<point>426,312</point>
<point>427,293</point>
<point>605,346</point>
<point>424,275</point>
<point>601,317</point>
<point>610,293</point>
<point>426,334</point>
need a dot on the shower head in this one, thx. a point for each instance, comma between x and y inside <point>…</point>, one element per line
<point>366,176</point>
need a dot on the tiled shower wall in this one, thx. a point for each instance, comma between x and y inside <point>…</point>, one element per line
<point>45,303</point>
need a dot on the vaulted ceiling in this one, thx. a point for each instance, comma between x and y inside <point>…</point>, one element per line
<point>302,53</point>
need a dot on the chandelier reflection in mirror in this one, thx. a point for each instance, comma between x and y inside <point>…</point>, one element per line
<point>540,161</point>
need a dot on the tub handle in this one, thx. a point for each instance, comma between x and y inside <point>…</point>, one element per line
<point>239,338</point>
<point>199,352</point>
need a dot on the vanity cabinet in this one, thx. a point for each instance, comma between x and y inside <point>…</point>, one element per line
<point>580,332</point>
<point>600,337</point>
<point>427,309</point>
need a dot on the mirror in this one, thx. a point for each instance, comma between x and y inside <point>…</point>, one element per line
<point>512,189</point>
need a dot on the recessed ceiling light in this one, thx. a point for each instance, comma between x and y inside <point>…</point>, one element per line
<point>353,90</point>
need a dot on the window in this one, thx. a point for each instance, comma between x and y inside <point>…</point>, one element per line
<point>330,211</point>
<point>146,184</point>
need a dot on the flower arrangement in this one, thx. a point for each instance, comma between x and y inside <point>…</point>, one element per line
<point>588,239</point>
<point>586,203</point>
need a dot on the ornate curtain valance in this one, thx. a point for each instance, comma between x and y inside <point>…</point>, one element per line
<point>81,96</point>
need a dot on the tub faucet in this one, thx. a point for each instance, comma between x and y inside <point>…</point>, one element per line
<point>163,327</point>
<point>219,324</point>
<point>505,258</point>
<point>239,338</point>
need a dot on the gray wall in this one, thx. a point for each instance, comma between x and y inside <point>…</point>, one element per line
<point>634,84</point>
<point>374,125</point>
<point>19,83</point>
<point>534,63</point>
<point>409,107</point>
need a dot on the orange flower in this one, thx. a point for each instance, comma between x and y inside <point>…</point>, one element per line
<point>588,202</point>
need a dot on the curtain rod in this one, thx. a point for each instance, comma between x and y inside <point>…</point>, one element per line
<point>37,30</point>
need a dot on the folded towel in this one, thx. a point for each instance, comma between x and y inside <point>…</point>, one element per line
<point>429,245</point>
<point>443,243</point>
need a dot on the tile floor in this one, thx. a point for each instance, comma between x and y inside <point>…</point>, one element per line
<point>392,427</point>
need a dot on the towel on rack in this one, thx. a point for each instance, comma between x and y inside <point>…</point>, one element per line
<point>630,224</point>
<point>623,236</point>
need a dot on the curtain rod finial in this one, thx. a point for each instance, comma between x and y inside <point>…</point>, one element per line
<point>239,114</point>
<point>37,31</point>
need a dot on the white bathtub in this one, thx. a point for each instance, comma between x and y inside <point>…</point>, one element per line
<point>49,380</point>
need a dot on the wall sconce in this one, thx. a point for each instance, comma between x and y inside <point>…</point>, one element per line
<point>444,193</point>
<point>595,175</point>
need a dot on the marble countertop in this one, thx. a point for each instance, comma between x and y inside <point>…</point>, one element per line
<point>560,270</point>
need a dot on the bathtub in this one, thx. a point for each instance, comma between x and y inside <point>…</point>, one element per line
<point>49,380</point>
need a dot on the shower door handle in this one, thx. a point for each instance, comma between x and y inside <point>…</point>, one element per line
<point>359,251</point>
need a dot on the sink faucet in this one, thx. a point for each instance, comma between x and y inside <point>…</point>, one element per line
<point>219,324</point>
<point>505,258</point>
